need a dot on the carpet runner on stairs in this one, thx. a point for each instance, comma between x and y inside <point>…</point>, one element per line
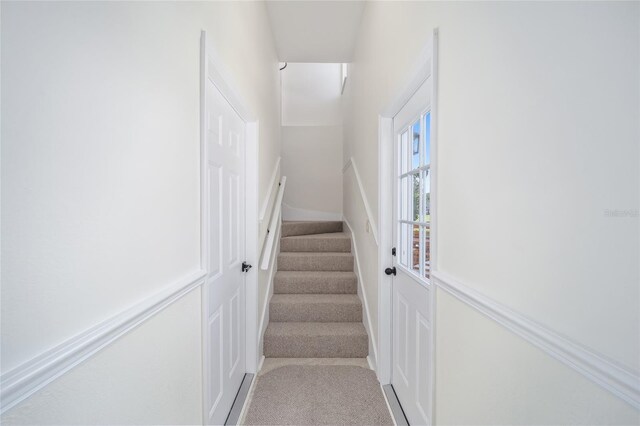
<point>315,311</point>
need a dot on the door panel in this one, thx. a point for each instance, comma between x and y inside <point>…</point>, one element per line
<point>402,345</point>
<point>215,362</point>
<point>423,352</point>
<point>224,292</point>
<point>411,289</point>
<point>234,333</point>
<point>215,220</point>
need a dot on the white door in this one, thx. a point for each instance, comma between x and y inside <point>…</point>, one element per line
<point>224,227</point>
<point>411,374</point>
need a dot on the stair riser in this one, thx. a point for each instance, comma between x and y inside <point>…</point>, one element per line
<point>315,263</point>
<point>312,285</point>
<point>315,312</point>
<point>316,346</point>
<point>316,245</point>
<point>301,228</point>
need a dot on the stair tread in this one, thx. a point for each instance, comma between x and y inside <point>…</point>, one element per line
<point>331,242</point>
<point>315,329</point>
<point>345,299</point>
<point>310,227</point>
<point>315,282</point>
<point>315,253</point>
<point>328,235</point>
<point>315,308</point>
<point>312,221</point>
<point>316,274</point>
<point>315,261</point>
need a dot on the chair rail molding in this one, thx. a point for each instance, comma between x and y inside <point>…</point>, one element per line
<point>616,378</point>
<point>363,196</point>
<point>23,381</point>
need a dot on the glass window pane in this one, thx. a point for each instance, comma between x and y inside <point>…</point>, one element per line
<point>399,151</point>
<point>415,194</point>
<point>426,185</point>
<point>404,154</point>
<point>427,138</point>
<point>403,244</point>
<point>415,248</point>
<point>409,244</point>
<point>404,191</point>
<point>427,251</point>
<point>415,145</point>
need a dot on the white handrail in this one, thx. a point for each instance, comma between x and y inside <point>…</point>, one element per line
<point>363,196</point>
<point>272,184</point>
<point>273,226</point>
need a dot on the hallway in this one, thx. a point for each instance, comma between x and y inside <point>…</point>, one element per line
<point>320,212</point>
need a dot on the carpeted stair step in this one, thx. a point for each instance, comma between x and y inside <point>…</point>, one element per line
<point>316,340</point>
<point>294,261</point>
<point>307,228</point>
<point>333,242</point>
<point>315,308</point>
<point>315,282</point>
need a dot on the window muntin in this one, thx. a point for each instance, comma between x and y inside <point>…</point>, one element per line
<point>415,145</point>
<point>414,197</point>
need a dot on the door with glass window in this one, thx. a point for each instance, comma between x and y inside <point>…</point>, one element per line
<point>412,290</point>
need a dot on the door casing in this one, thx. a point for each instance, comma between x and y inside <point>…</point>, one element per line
<point>212,68</point>
<point>425,67</point>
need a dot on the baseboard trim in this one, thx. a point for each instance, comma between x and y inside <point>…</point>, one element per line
<point>261,363</point>
<point>605,372</point>
<point>33,375</point>
<point>371,363</point>
<point>239,404</point>
<point>393,404</point>
<point>372,338</point>
<point>247,401</point>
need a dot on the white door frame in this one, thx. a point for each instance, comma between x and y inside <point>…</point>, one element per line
<point>425,68</point>
<point>212,67</point>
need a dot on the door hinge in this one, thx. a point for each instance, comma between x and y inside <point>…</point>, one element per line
<point>245,267</point>
<point>393,251</point>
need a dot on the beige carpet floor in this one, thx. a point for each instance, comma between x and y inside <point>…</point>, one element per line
<point>317,395</point>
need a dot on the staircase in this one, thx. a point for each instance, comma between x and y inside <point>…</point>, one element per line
<point>315,311</point>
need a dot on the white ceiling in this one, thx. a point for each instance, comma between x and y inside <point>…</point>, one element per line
<point>315,31</point>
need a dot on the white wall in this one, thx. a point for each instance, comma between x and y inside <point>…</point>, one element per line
<point>487,375</point>
<point>312,141</point>
<point>150,376</point>
<point>311,94</point>
<point>100,187</point>
<point>312,162</point>
<point>538,138</point>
